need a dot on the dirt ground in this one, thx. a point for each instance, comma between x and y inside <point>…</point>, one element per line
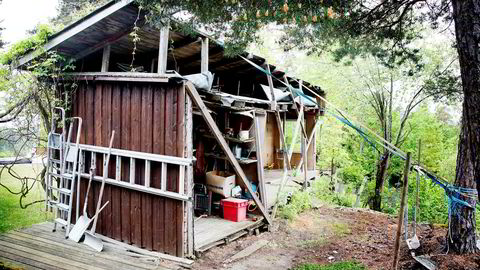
<point>332,234</point>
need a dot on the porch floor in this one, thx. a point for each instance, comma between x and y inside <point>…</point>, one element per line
<point>37,247</point>
<point>213,231</point>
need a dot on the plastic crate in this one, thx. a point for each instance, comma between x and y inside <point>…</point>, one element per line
<point>234,209</point>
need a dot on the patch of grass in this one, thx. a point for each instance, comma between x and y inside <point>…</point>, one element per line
<point>12,216</point>
<point>300,202</point>
<point>333,266</point>
<point>340,229</point>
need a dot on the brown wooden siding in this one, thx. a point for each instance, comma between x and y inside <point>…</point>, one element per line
<point>146,117</point>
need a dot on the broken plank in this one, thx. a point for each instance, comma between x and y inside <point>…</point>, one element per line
<point>248,250</point>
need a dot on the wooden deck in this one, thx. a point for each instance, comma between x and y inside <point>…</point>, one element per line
<point>213,231</point>
<point>38,247</point>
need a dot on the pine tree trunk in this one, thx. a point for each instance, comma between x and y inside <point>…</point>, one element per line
<point>466,14</point>
<point>382,168</point>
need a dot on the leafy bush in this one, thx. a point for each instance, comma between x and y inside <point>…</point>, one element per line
<point>299,202</point>
<point>333,266</point>
<point>34,42</point>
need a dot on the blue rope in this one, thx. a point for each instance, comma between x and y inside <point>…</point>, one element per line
<point>450,190</point>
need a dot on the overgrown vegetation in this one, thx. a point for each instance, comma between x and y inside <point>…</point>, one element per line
<point>12,216</point>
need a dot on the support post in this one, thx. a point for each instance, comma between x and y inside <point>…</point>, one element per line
<point>192,92</point>
<point>273,104</point>
<point>305,163</point>
<point>204,64</point>
<point>189,176</point>
<point>400,213</point>
<point>163,49</point>
<point>259,148</point>
<point>295,134</point>
<point>106,58</point>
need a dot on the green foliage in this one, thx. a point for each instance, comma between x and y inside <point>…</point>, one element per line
<point>35,42</point>
<point>12,216</point>
<point>300,202</point>
<point>333,266</point>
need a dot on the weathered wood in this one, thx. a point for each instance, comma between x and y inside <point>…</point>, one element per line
<point>30,252</point>
<point>170,149</point>
<point>396,249</point>
<point>282,140</point>
<point>260,167</point>
<point>183,261</point>
<point>189,174</point>
<point>298,123</point>
<point>204,56</point>
<point>311,140</point>
<point>248,250</point>
<point>106,58</point>
<point>205,236</point>
<point>273,102</point>
<point>147,146</point>
<point>223,144</point>
<point>163,48</point>
<point>77,28</point>
<point>46,238</point>
<point>25,261</point>
<point>126,167</point>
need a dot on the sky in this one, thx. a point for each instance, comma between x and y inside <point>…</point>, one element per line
<point>21,15</point>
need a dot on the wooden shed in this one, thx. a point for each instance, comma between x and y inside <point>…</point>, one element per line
<point>171,129</point>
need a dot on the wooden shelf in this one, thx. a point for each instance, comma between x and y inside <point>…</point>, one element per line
<point>232,139</point>
<point>240,160</point>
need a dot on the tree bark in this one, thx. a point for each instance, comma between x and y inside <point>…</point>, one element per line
<point>466,13</point>
<point>382,167</point>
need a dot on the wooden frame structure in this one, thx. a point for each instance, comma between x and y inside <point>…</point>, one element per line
<point>157,157</point>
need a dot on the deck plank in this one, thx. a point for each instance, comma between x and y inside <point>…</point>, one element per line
<point>212,229</point>
<point>37,247</point>
<point>114,255</point>
<point>74,247</point>
<point>25,262</point>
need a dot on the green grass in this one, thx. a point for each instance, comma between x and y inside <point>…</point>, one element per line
<point>333,266</point>
<point>12,216</point>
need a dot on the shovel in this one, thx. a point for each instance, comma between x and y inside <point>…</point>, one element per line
<point>83,221</point>
<point>90,239</point>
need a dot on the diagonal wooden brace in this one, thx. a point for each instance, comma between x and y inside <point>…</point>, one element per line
<point>192,92</point>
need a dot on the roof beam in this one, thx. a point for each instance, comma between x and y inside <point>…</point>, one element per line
<point>77,28</point>
<point>111,39</point>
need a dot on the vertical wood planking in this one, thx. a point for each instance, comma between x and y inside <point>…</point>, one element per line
<point>125,144</point>
<point>90,135</point>
<point>98,137</point>
<point>146,146</point>
<point>158,220</point>
<point>106,214</point>
<point>116,191</point>
<point>135,135</point>
<point>150,119</point>
<point>170,208</point>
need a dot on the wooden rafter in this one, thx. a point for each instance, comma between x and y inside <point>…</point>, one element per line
<point>77,28</point>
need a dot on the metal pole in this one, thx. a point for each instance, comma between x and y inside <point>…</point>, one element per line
<point>400,216</point>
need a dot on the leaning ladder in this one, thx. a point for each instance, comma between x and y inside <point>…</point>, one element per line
<point>63,170</point>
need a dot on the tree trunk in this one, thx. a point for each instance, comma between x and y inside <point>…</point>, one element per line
<point>382,168</point>
<point>466,13</point>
